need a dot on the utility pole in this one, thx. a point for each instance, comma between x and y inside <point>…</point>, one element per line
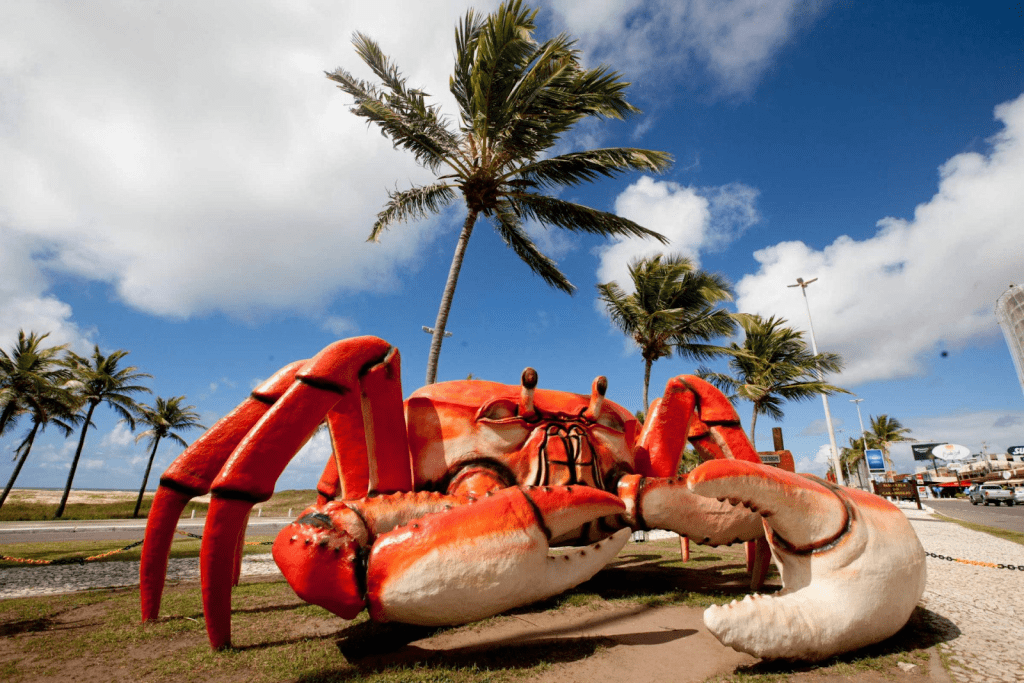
<point>824,399</point>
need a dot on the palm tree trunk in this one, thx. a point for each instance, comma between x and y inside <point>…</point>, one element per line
<point>74,463</point>
<point>449,294</point>
<point>647,381</point>
<point>25,447</point>
<point>145,477</point>
<point>753,429</point>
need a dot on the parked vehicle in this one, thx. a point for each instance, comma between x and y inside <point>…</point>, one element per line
<point>1018,495</point>
<point>990,493</point>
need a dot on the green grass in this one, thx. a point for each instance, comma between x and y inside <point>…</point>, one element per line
<point>16,510</point>
<point>1014,536</point>
<point>277,637</point>
<point>183,546</point>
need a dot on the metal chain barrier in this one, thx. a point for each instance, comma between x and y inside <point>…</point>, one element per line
<point>70,560</point>
<point>83,560</point>
<point>978,563</point>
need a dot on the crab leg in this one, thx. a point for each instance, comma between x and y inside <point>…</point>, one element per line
<point>852,567</point>
<point>191,475</point>
<point>249,475</point>
<point>690,408</point>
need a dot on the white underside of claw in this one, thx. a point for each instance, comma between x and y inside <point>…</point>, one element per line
<point>858,592</point>
<point>855,590</point>
<point>461,583</point>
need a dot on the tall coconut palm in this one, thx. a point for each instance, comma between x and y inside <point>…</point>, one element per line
<point>99,379</point>
<point>163,418</point>
<point>28,370</point>
<point>672,309</point>
<point>47,404</point>
<point>884,431</point>
<point>772,366</point>
<point>516,98</point>
<point>853,455</point>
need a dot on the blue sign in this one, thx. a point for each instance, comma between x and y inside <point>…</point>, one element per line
<point>875,461</point>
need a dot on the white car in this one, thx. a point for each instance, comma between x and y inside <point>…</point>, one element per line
<point>1018,495</point>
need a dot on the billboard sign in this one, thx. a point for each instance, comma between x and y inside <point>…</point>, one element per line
<point>923,451</point>
<point>1015,450</point>
<point>875,461</point>
<point>951,451</point>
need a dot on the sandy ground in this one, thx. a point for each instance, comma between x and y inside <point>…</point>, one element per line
<point>49,496</point>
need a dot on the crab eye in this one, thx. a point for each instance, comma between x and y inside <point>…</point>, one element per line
<point>498,410</point>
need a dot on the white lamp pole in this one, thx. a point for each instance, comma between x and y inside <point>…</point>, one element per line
<point>824,399</point>
<point>863,435</point>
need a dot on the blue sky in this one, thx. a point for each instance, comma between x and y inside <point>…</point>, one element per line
<point>184,183</point>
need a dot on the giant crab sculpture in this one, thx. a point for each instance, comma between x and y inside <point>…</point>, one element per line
<point>442,510</point>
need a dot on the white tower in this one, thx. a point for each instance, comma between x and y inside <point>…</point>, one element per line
<point>1010,314</point>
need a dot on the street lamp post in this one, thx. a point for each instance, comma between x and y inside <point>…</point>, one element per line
<point>863,434</point>
<point>824,399</point>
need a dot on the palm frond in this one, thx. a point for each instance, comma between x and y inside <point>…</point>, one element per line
<point>576,168</point>
<point>579,218</point>
<point>405,205</point>
<point>511,231</point>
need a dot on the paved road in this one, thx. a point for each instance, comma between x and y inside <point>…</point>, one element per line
<point>998,516</point>
<point>112,529</point>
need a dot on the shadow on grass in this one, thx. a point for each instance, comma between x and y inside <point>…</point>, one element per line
<point>925,629</point>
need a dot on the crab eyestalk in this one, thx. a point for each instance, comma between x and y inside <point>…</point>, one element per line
<point>597,392</point>
<point>527,411</point>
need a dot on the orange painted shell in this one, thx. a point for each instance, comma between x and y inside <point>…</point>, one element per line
<point>453,425</point>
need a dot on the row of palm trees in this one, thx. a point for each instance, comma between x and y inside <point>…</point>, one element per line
<point>674,310</point>
<point>52,386</point>
<point>884,431</point>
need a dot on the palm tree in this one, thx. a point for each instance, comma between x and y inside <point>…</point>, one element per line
<point>98,379</point>
<point>884,431</point>
<point>516,98</point>
<point>772,366</point>
<point>852,455</point>
<point>28,370</point>
<point>162,418</point>
<point>48,404</point>
<point>671,309</point>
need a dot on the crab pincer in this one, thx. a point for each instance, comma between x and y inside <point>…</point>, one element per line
<point>479,559</point>
<point>852,567</point>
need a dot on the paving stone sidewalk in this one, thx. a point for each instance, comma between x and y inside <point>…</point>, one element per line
<point>983,607</point>
<point>984,604</point>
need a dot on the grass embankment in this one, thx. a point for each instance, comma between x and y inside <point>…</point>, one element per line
<point>26,506</point>
<point>1006,534</point>
<point>277,637</point>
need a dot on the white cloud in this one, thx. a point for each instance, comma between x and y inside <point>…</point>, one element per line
<point>885,302</point>
<point>201,170</point>
<point>732,43</point>
<point>340,326</point>
<point>692,219</point>
<point>118,437</point>
<point>24,302</point>
<point>216,169</point>
<point>313,455</point>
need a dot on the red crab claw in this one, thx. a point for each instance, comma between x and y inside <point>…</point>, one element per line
<point>852,567</point>
<point>479,559</point>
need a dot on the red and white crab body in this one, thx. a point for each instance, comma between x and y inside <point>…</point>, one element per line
<point>442,510</point>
